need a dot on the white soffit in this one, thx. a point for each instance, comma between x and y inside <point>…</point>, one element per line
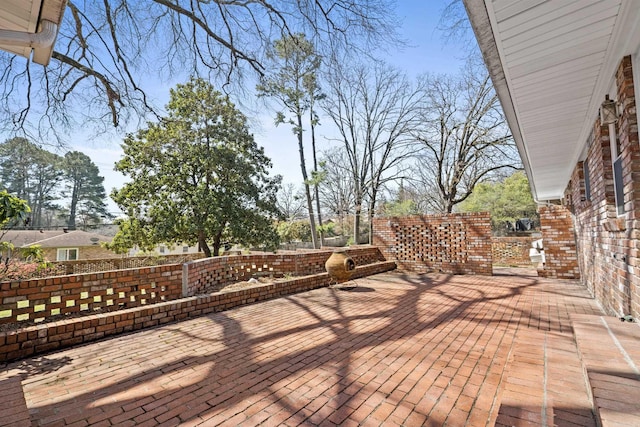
<point>31,17</point>
<point>557,58</point>
<point>19,15</point>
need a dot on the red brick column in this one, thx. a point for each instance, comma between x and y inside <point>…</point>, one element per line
<point>558,238</point>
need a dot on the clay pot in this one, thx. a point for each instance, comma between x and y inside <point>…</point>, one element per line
<point>340,266</point>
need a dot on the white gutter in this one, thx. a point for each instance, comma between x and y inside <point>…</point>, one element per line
<point>42,39</point>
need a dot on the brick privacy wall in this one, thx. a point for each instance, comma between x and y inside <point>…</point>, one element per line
<point>511,250</point>
<point>450,243</point>
<point>204,276</point>
<point>558,238</point>
<point>46,337</point>
<point>38,299</point>
<point>608,245</point>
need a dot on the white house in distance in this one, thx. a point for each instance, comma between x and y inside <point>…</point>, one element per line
<point>568,75</point>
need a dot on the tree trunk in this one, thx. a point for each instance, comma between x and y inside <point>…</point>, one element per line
<point>372,207</point>
<point>202,242</point>
<point>356,218</point>
<point>72,207</point>
<point>315,169</point>
<point>303,168</point>
<point>216,247</point>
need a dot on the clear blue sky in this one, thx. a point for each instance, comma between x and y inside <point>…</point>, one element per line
<point>425,52</point>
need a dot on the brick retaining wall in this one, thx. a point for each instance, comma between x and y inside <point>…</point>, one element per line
<point>201,275</point>
<point>68,332</point>
<point>38,299</point>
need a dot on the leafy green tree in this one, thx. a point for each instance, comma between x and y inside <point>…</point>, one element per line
<point>85,188</point>
<point>506,200</point>
<point>294,86</point>
<point>15,210</point>
<point>32,173</point>
<point>399,208</point>
<point>196,176</point>
<point>12,208</point>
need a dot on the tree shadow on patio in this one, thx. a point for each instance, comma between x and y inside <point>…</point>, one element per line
<point>409,348</point>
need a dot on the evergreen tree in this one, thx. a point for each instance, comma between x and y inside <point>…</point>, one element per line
<point>294,86</point>
<point>197,176</point>
<point>31,173</point>
<point>85,188</point>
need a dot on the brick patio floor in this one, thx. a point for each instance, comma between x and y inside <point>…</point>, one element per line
<point>399,349</point>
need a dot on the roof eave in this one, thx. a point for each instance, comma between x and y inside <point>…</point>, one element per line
<point>37,39</point>
<point>481,24</point>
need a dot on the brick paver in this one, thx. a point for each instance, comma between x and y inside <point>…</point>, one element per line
<point>399,349</point>
<point>610,352</point>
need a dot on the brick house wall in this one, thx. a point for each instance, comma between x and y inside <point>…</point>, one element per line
<point>608,244</point>
<point>449,243</point>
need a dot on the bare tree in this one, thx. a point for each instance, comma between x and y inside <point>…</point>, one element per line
<point>291,202</point>
<point>464,136</point>
<point>376,109</point>
<point>336,189</point>
<point>455,26</point>
<point>106,51</point>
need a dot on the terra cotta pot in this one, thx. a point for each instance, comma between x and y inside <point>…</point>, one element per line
<point>340,266</point>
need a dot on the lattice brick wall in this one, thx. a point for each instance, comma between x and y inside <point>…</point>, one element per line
<point>450,243</point>
<point>205,275</point>
<point>37,299</point>
<point>512,250</point>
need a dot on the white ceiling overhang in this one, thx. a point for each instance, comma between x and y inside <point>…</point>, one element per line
<point>30,27</point>
<point>552,62</point>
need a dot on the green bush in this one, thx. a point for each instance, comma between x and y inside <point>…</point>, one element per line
<point>294,231</point>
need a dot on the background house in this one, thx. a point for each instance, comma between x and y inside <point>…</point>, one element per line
<point>567,76</point>
<point>61,245</point>
<point>166,249</point>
